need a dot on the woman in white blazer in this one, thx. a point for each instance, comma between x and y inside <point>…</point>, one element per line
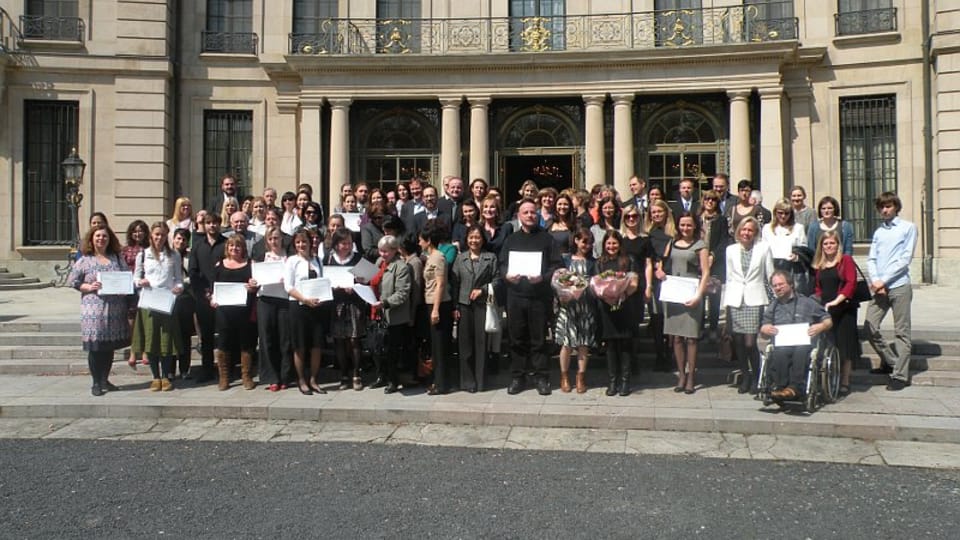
<point>749,266</point>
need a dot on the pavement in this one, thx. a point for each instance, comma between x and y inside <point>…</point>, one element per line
<point>870,413</point>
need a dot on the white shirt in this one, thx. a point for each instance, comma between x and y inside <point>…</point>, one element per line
<point>164,271</point>
<point>290,223</point>
<point>298,269</point>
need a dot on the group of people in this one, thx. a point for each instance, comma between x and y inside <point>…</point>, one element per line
<point>585,268</point>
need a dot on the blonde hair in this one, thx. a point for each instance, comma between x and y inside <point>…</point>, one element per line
<point>224,215</point>
<point>818,256</point>
<point>669,227</point>
<point>783,205</point>
<point>177,205</point>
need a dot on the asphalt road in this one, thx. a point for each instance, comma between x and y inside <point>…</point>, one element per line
<point>106,489</point>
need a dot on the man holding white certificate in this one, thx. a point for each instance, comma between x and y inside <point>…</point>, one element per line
<point>529,256</point>
<point>783,320</point>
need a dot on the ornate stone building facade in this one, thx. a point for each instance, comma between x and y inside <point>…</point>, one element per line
<point>844,97</point>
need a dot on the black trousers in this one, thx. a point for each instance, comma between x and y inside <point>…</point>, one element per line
<point>527,326</point>
<point>788,367</point>
<point>472,340</point>
<point>206,319</point>
<point>440,334</point>
<point>397,345</point>
<point>273,327</point>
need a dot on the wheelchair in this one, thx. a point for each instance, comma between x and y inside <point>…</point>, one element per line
<point>822,378</point>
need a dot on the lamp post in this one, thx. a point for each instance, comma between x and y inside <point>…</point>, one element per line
<point>73,168</point>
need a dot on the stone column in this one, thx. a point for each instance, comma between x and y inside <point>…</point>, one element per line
<point>479,140</point>
<point>450,141</point>
<point>339,148</point>
<point>595,158</point>
<point>623,166</point>
<point>771,145</point>
<point>739,137</point>
<point>310,143</point>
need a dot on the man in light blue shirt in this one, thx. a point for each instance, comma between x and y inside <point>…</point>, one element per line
<point>889,266</point>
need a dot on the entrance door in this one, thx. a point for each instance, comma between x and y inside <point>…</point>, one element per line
<point>666,169</point>
<point>556,171</point>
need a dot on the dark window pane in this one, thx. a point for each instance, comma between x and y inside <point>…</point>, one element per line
<point>868,158</point>
<point>50,133</point>
<point>227,149</point>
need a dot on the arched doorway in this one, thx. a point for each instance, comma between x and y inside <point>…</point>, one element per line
<point>538,143</point>
<point>396,146</point>
<point>683,140</point>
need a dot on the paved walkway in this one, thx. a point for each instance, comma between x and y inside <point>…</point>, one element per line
<point>610,441</point>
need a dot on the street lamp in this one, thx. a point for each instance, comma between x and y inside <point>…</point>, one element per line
<point>73,168</point>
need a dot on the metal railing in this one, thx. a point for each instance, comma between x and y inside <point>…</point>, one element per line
<point>619,31</point>
<point>52,28</point>
<point>868,21</point>
<point>230,42</point>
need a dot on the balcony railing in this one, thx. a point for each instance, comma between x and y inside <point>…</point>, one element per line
<point>868,21</point>
<point>620,31</point>
<point>230,42</point>
<point>51,28</point>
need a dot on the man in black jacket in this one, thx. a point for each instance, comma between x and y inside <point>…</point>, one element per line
<point>206,253</point>
<point>529,299</point>
<point>228,188</point>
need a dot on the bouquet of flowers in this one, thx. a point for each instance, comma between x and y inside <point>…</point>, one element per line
<point>611,287</point>
<point>568,285</point>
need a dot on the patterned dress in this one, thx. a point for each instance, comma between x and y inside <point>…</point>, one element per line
<point>349,314</point>
<point>576,324</point>
<point>103,319</point>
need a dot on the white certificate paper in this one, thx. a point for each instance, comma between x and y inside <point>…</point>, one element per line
<point>781,247</point>
<point>115,283</point>
<point>230,294</point>
<point>791,335</point>
<point>524,263</point>
<point>365,270</point>
<point>266,273</point>
<point>351,220</point>
<point>157,299</point>
<point>678,290</point>
<point>339,276</point>
<point>365,293</point>
<point>318,288</point>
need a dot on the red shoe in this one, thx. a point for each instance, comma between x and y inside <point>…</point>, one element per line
<point>274,388</point>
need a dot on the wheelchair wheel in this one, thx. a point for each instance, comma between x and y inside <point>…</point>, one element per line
<point>830,373</point>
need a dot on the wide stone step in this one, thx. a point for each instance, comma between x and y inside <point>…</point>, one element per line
<point>37,284</point>
<point>8,276</point>
<point>33,339</point>
<point>45,326</point>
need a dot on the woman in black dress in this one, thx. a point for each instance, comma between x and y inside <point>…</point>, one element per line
<point>618,323</point>
<point>661,230</point>
<point>836,282</point>
<point>235,327</point>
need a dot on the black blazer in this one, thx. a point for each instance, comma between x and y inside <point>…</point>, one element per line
<point>676,207</point>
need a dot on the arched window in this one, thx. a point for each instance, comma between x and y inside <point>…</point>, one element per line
<point>539,128</point>
<point>683,141</point>
<point>398,145</point>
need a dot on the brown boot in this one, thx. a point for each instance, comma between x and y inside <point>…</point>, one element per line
<point>223,367</point>
<point>581,382</point>
<point>246,370</point>
<point>564,381</point>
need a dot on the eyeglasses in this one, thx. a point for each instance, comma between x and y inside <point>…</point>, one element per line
<point>631,217</point>
<point>310,213</point>
<point>783,213</point>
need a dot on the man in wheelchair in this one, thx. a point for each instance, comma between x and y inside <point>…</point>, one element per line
<point>791,315</point>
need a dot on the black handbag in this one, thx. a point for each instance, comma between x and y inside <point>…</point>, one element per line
<point>862,291</point>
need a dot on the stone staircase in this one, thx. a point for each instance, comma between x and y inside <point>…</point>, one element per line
<point>53,348</point>
<point>17,281</point>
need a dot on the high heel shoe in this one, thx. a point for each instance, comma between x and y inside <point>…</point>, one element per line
<point>316,389</point>
<point>306,392</point>
<point>357,383</point>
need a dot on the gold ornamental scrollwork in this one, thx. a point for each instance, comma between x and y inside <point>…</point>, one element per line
<point>395,36</point>
<point>678,30</point>
<point>535,35</point>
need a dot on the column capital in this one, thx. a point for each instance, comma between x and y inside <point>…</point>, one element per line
<point>594,99</point>
<point>311,103</point>
<point>340,103</point>
<point>479,101</point>
<point>740,94</point>
<point>451,101</point>
<point>770,93</point>
<point>619,99</point>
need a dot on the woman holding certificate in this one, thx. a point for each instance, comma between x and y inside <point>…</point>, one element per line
<point>749,267</point>
<point>103,318</point>
<point>159,275</point>
<point>307,326</point>
<point>688,258</point>
<point>784,234</point>
<point>273,322</point>
<point>348,317</point>
<point>232,299</point>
